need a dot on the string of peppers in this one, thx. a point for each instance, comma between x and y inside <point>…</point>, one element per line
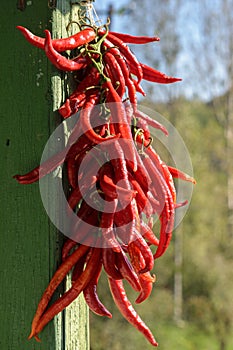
<point>134,187</point>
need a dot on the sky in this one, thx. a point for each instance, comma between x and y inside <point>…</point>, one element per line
<point>189,28</point>
<point>101,6</point>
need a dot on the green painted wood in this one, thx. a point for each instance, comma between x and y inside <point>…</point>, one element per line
<point>30,245</point>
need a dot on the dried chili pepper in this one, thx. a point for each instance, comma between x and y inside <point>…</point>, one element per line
<point>59,61</point>
<point>91,296</point>
<point>58,277</point>
<point>81,38</point>
<point>132,39</point>
<point>127,310</point>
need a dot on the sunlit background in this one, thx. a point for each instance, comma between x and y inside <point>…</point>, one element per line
<point>191,306</point>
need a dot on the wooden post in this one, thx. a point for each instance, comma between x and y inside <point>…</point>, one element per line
<point>31,91</point>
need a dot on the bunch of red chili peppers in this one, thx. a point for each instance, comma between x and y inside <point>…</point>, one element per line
<point>111,161</point>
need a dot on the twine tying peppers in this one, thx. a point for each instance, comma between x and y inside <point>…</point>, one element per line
<point>135,184</point>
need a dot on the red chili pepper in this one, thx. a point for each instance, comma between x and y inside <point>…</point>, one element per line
<point>146,281</point>
<point>141,198</point>
<point>84,89</point>
<point>114,191</point>
<point>182,204</point>
<point>65,110</point>
<point>106,179</point>
<point>124,266</point>
<point>181,175</point>
<point>168,181</point>
<point>152,74</point>
<point>91,297</point>
<point>125,72</point>
<point>127,310</point>
<point>76,194</point>
<point>151,122</point>
<point>67,246</point>
<point>109,263</point>
<point>59,61</point>
<point>86,223</point>
<point>119,119</point>
<point>148,234</point>
<point>79,267</point>
<point>143,127</point>
<point>116,74</point>
<point>81,38</point>
<point>140,244</point>
<point>157,189</point>
<point>71,172</point>
<point>165,233</point>
<point>72,293</point>
<point>167,214</point>
<point>132,39</point>
<point>155,76</point>
<point>85,116</point>
<point>58,277</point>
<point>107,224</point>
<point>138,87</point>
<point>43,169</point>
<point>80,146</point>
<point>128,54</point>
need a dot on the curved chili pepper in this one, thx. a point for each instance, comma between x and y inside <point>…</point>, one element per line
<point>132,39</point>
<point>76,195</point>
<point>128,54</point>
<point>142,125</point>
<point>58,277</point>
<point>182,204</point>
<point>148,234</point>
<point>165,233</point>
<point>109,260</point>
<point>146,281</point>
<point>158,186</point>
<point>65,110</point>
<point>59,61</point>
<point>125,71</point>
<point>151,122</point>
<point>138,87</point>
<point>67,246</point>
<point>81,38</point>
<point>116,72</point>
<point>81,145</point>
<point>85,116</point>
<point>141,198</point>
<point>91,296</point>
<point>110,188</point>
<point>81,93</point>
<point>85,225</point>
<point>107,225</point>
<point>168,212</point>
<point>181,175</point>
<point>140,244</point>
<point>71,172</point>
<point>124,266</point>
<point>127,310</point>
<point>166,178</point>
<point>79,267</point>
<point>43,169</point>
<point>153,75</point>
<point>71,294</point>
<point>114,191</point>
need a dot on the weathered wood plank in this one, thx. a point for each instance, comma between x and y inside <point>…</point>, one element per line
<point>30,245</point>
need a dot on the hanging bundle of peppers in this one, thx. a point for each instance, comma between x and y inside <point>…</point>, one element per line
<point>111,161</point>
